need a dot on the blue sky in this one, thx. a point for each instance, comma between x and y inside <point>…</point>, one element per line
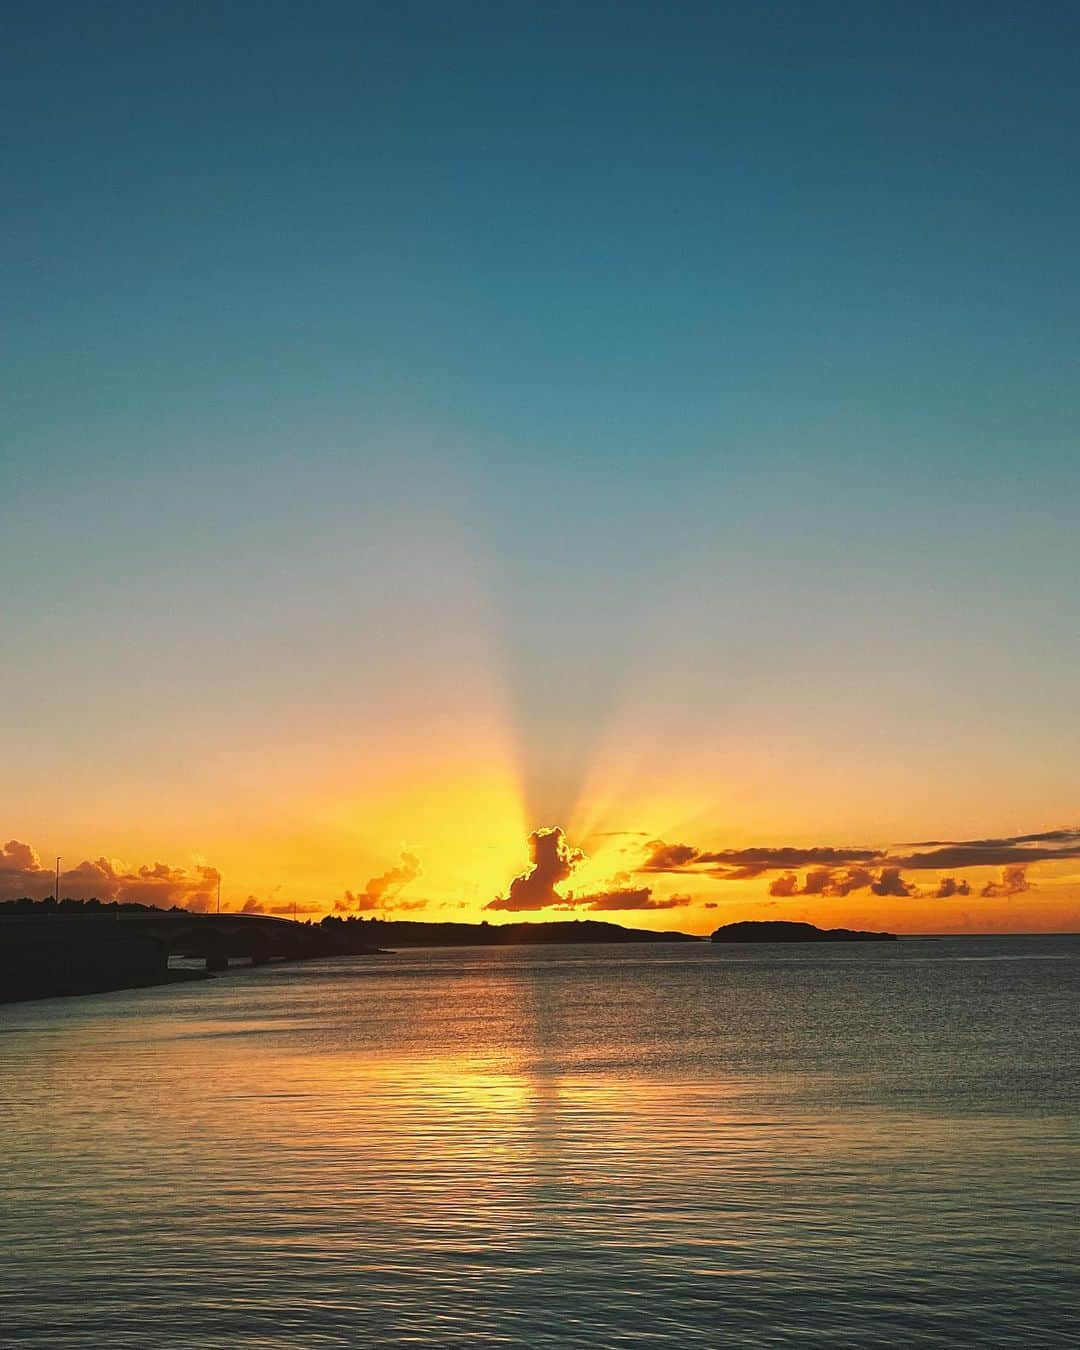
<point>713,365</point>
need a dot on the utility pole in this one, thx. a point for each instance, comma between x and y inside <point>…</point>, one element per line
<point>219,892</point>
<point>58,883</point>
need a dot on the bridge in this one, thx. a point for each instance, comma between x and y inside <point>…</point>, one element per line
<point>42,954</point>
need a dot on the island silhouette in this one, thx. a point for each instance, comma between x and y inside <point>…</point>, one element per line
<point>783,930</point>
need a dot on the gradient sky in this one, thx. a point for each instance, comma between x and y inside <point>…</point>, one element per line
<point>424,424</point>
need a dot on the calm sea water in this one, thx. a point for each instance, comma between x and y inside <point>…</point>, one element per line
<point>668,1146</point>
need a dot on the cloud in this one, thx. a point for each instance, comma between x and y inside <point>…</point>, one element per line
<point>668,857</point>
<point>743,864</point>
<point>1064,835</point>
<point>253,905</point>
<point>19,857</point>
<point>552,862</point>
<point>381,891</point>
<point>817,881</point>
<point>1013,882</point>
<point>841,882</point>
<point>159,884</point>
<point>640,898</point>
<point>383,888</point>
<point>838,871</point>
<point>890,882</point>
<point>1018,849</point>
<point>950,886</point>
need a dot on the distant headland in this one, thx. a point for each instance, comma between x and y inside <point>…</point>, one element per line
<point>780,930</point>
<point>414,933</point>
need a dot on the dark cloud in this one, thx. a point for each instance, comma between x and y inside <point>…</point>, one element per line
<point>552,862</point>
<point>950,886</point>
<point>640,898</point>
<point>668,857</point>
<point>841,882</point>
<point>956,857</point>
<point>1018,849</point>
<point>743,864</point>
<point>839,871</point>
<point>890,882</point>
<point>817,882</point>
<point>1013,882</point>
<point>852,879</point>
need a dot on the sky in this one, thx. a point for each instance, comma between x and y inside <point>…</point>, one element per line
<point>446,444</point>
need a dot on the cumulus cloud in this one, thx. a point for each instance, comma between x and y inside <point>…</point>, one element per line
<point>553,860</point>
<point>159,884</point>
<point>381,892</point>
<point>948,886</point>
<point>817,881</point>
<point>1013,882</point>
<point>841,882</point>
<point>668,857</point>
<point>890,882</point>
<point>19,857</point>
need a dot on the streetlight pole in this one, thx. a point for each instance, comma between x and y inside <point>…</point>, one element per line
<point>58,883</point>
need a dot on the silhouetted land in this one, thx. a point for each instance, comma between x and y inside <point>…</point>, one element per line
<point>84,947</point>
<point>780,930</point>
<point>413,933</point>
<point>49,950</point>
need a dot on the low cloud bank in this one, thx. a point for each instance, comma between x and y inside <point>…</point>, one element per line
<point>159,884</point>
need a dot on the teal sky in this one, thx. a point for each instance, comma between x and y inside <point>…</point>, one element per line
<point>697,377</point>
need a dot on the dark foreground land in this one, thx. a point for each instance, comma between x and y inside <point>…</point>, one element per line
<point>49,950</point>
<point>779,930</point>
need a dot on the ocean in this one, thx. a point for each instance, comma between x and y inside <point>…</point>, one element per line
<point>849,1145</point>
